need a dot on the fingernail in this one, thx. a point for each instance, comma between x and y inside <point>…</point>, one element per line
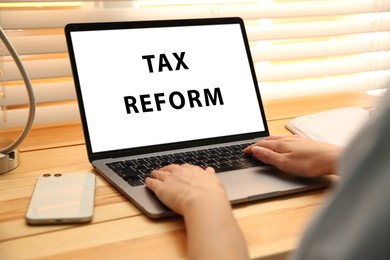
<point>257,149</point>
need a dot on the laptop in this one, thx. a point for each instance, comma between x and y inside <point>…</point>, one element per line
<point>151,93</point>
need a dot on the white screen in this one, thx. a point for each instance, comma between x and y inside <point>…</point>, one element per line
<point>111,66</point>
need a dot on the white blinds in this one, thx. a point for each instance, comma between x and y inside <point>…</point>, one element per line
<point>299,47</point>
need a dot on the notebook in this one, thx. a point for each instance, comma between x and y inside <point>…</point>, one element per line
<point>148,90</point>
<point>336,126</point>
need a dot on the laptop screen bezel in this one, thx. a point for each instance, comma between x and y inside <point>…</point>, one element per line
<point>92,156</point>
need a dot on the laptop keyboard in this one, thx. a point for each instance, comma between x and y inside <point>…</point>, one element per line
<point>225,158</point>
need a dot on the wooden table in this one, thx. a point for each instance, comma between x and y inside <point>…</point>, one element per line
<point>272,228</point>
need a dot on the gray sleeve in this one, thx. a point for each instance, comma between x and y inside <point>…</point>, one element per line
<point>355,223</point>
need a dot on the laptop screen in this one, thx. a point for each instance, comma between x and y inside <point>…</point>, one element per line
<point>142,87</point>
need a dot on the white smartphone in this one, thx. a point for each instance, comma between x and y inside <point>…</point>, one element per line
<point>62,198</point>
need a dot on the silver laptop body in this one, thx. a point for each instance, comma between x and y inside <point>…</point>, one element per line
<point>150,89</point>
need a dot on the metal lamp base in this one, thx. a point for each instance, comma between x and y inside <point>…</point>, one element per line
<point>9,161</point>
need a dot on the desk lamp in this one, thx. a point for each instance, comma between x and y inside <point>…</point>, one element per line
<point>9,155</point>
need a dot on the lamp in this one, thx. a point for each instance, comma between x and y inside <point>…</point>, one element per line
<point>9,155</point>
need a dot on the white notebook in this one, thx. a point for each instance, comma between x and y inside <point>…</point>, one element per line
<point>336,126</point>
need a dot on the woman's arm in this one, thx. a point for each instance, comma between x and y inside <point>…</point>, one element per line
<point>199,196</point>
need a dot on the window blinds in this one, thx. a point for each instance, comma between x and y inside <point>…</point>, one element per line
<point>299,47</point>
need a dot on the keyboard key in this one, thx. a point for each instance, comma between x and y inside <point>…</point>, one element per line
<point>223,167</point>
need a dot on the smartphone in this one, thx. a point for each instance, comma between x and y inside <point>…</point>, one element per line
<point>62,198</point>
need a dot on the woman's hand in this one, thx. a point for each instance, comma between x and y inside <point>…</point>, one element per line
<point>182,186</point>
<point>297,155</point>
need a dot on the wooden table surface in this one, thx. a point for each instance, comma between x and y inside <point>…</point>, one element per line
<point>272,228</point>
